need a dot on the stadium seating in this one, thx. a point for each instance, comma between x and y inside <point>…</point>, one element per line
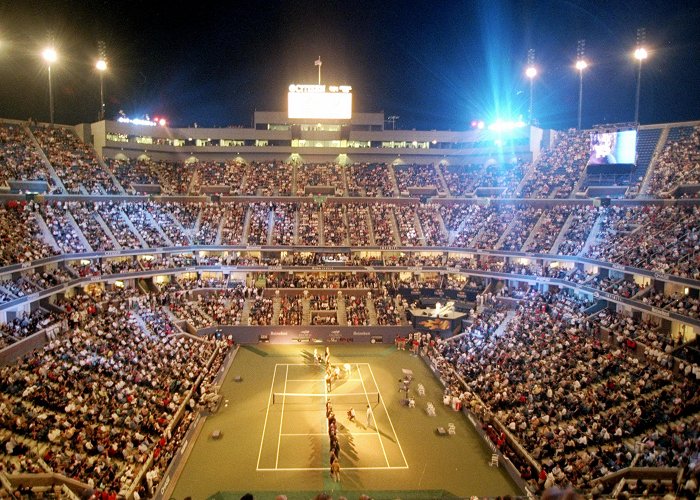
<point>572,380</point>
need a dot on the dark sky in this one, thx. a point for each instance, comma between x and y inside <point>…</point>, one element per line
<point>437,65</point>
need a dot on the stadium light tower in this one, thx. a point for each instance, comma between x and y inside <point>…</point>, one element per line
<point>581,64</point>
<point>101,67</point>
<point>318,63</point>
<point>531,73</point>
<point>50,56</point>
<point>640,54</point>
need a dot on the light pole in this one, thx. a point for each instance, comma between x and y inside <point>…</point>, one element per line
<point>50,56</point>
<point>639,54</point>
<point>581,64</point>
<point>531,73</point>
<point>101,67</point>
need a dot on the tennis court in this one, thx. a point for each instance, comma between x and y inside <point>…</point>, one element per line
<point>274,432</point>
<point>296,419</point>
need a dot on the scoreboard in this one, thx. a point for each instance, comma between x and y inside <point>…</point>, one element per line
<point>318,102</point>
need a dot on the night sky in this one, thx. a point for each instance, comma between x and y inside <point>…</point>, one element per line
<point>437,65</point>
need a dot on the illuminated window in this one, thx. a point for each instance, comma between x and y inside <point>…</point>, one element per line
<point>261,143</point>
<point>117,137</point>
<point>228,143</point>
<point>144,140</point>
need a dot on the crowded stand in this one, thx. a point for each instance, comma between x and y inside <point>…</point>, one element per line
<point>370,180</point>
<point>678,163</point>
<point>284,223</point>
<point>208,227</point>
<point>259,223</point>
<point>678,303</point>
<point>571,384</point>
<point>581,224</point>
<point>408,176</point>
<point>117,223</point>
<point>188,311</point>
<point>356,310</point>
<point>519,231</point>
<point>666,240</point>
<point>75,162</point>
<point>406,224</point>
<point>172,230</point>
<point>62,229</point>
<point>232,228</point>
<point>358,221</point>
<point>260,311</point>
<point>558,170</point>
<point>19,157</point>
<point>433,233</point>
<point>335,231</point>
<point>224,307</point>
<point>507,176</point>
<point>143,221</point>
<point>545,234</point>
<point>291,310</point>
<point>185,214</point>
<point>24,325</point>
<point>382,218</point>
<point>131,173</point>
<point>71,402</point>
<point>460,179</point>
<point>324,174</point>
<point>387,311</point>
<point>602,394</point>
<point>309,220</point>
<point>268,179</point>
<point>226,175</point>
<point>85,216</point>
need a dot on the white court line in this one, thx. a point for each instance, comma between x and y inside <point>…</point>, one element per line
<point>293,469</point>
<point>279,437</point>
<point>316,380</point>
<point>376,427</point>
<point>389,416</point>
<point>269,401</point>
<point>325,434</point>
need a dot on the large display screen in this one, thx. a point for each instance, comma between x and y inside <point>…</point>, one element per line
<point>613,148</point>
<point>318,102</point>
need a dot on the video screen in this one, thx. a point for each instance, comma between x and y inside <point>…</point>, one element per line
<point>613,148</point>
<point>320,105</point>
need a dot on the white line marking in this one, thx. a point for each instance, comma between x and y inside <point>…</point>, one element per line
<point>279,437</point>
<point>389,416</point>
<point>376,427</point>
<point>325,434</point>
<point>292,469</point>
<point>316,380</point>
<point>269,401</point>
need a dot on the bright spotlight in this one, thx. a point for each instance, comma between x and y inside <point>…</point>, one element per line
<point>49,54</point>
<point>162,122</point>
<point>581,65</point>
<point>531,72</point>
<point>101,65</point>
<point>641,53</point>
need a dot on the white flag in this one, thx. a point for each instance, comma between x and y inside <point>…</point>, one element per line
<point>317,62</point>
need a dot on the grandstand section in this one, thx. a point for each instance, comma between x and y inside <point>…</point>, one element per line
<point>136,257</point>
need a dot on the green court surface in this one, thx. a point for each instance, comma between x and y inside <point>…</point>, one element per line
<point>271,445</point>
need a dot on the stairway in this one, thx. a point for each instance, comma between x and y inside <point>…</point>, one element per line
<point>371,311</point>
<point>305,311</point>
<point>342,312</point>
<point>276,307</point>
